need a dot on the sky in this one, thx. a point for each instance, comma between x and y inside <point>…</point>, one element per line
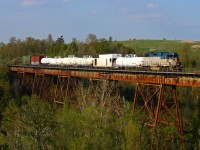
<point>120,19</point>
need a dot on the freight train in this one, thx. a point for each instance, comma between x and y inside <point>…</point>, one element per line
<point>154,61</point>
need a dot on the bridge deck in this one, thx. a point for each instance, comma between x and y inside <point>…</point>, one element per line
<point>155,77</point>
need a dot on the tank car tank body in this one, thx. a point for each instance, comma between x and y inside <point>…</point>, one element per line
<point>72,60</point>
<point>45,60</point>
<point>53,61</point>
<point>85,61</point>
<point>69,61</point>
<point>130,60</point>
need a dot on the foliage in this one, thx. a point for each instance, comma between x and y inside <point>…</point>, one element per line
<point>5,90</point>
<point>89,129</point>
<point>143,46</point>
<point>91,38</point>
<point>185,52</point>
<point>31,127</point>
<point>11,126</point>
<point>192,136</point>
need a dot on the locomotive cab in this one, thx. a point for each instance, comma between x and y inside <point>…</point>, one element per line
<point>162,61</point>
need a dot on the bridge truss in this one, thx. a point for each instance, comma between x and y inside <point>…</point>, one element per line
<point>155,94</point>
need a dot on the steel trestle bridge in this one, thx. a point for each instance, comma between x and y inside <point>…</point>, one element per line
<point>155,93</point>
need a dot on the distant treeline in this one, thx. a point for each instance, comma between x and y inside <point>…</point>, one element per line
<point>17,48</point>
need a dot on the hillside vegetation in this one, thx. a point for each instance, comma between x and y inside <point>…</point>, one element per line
<point>162,45</point>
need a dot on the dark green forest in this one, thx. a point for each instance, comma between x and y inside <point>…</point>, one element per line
<point>32,123</point>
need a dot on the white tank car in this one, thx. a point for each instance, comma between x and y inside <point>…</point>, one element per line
<point>59,61</point>
<point>85,61</point>
<point>45,60</point>
<point>72,60</point>
<point>129,61</point>
<point>66,61</point>
<point>53,61</point>
<point>78,61</point>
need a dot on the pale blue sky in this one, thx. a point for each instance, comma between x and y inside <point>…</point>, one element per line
<point>121,19</point>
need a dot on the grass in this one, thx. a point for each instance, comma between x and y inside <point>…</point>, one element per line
<point>159,45</point>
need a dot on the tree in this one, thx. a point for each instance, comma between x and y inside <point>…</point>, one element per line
<point>185,53</point>
<point>91,38</point>
<point>11,127</point>
<point>49,42</point>
<point>38,125</point>
<point>50,39</point>
<point>2,44</point>
<point>60,40</point>
<point>110,38</point>
<point>59,47</point>
<point>193,63</point>
<point>13,40</point>
<point>5,90</point>
<point>31,127</point>
<point>72,47</point>
<point>74,40</point>
<point>191,117</point>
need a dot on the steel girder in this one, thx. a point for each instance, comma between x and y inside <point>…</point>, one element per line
<point>160,104</point>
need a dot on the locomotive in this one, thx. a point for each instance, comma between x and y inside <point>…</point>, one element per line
<point>154,61</point>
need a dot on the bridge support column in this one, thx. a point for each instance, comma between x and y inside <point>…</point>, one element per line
<point>61,90</point>
<point>120,102</point>
<point>55,89</point>
<point>65,89</point>
<point>160,103</point>
<point>20,76</point>
<point>41,86</point>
